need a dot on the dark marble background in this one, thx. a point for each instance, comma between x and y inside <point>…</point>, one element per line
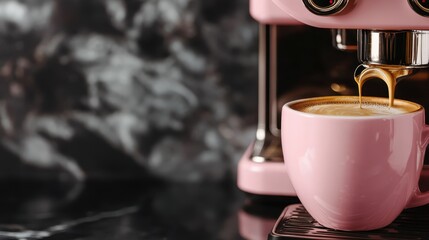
<point>123,89</point>
<point>125,119</point>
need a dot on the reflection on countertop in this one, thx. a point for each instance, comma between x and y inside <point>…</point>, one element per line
<point>119,210</point>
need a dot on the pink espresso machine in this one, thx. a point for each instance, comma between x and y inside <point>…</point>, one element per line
<point>383,32</point>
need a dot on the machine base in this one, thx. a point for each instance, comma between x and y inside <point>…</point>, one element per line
<point>267,178</point>
<point>253,227</point>
<point>257,219</point>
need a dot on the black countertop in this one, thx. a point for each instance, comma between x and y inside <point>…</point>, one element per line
<point>129,210</point>
<point>163,210</point>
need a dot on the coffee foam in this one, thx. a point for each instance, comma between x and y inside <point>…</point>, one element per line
<point>350,106</point>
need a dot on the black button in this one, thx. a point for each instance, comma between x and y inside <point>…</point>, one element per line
<point>424,3</point>
<point>325,7</point>
<point>326,3</point>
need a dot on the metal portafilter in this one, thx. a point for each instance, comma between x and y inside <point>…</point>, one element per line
<point>409,48</point>
<point>395,53</point>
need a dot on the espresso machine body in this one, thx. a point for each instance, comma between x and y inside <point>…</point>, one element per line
<point>299,57</point>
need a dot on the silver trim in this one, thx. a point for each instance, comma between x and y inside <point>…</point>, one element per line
<point>272,104</point>
<point>408,48</point>
<point>267,146</point>
<point>338,7</point>
<point>324,9</point>
<point>260,134</point>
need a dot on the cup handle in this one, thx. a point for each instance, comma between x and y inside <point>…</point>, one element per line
<point>419,198</point>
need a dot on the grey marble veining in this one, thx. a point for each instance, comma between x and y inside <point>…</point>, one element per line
<point>26,234</point>
<point>119,89</point>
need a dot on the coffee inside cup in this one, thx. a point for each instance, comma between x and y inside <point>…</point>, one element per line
<point>350,106</point>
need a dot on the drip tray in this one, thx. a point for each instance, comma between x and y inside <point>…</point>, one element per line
<point>296,223</point>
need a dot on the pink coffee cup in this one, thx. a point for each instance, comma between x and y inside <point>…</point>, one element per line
<point>355,173</point>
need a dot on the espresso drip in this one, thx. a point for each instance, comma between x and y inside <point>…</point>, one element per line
<point>389,74</point>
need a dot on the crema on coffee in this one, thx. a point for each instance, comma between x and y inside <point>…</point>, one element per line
<point>351,106</point>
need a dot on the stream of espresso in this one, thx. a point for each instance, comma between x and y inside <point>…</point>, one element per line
<point>388,74</point>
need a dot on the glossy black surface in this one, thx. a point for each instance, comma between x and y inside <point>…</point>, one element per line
<point>120,210</point>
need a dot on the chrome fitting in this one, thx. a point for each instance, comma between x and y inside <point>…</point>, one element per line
<point>408,48</point>
<point>325,7</point>
<point>344,39</point>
